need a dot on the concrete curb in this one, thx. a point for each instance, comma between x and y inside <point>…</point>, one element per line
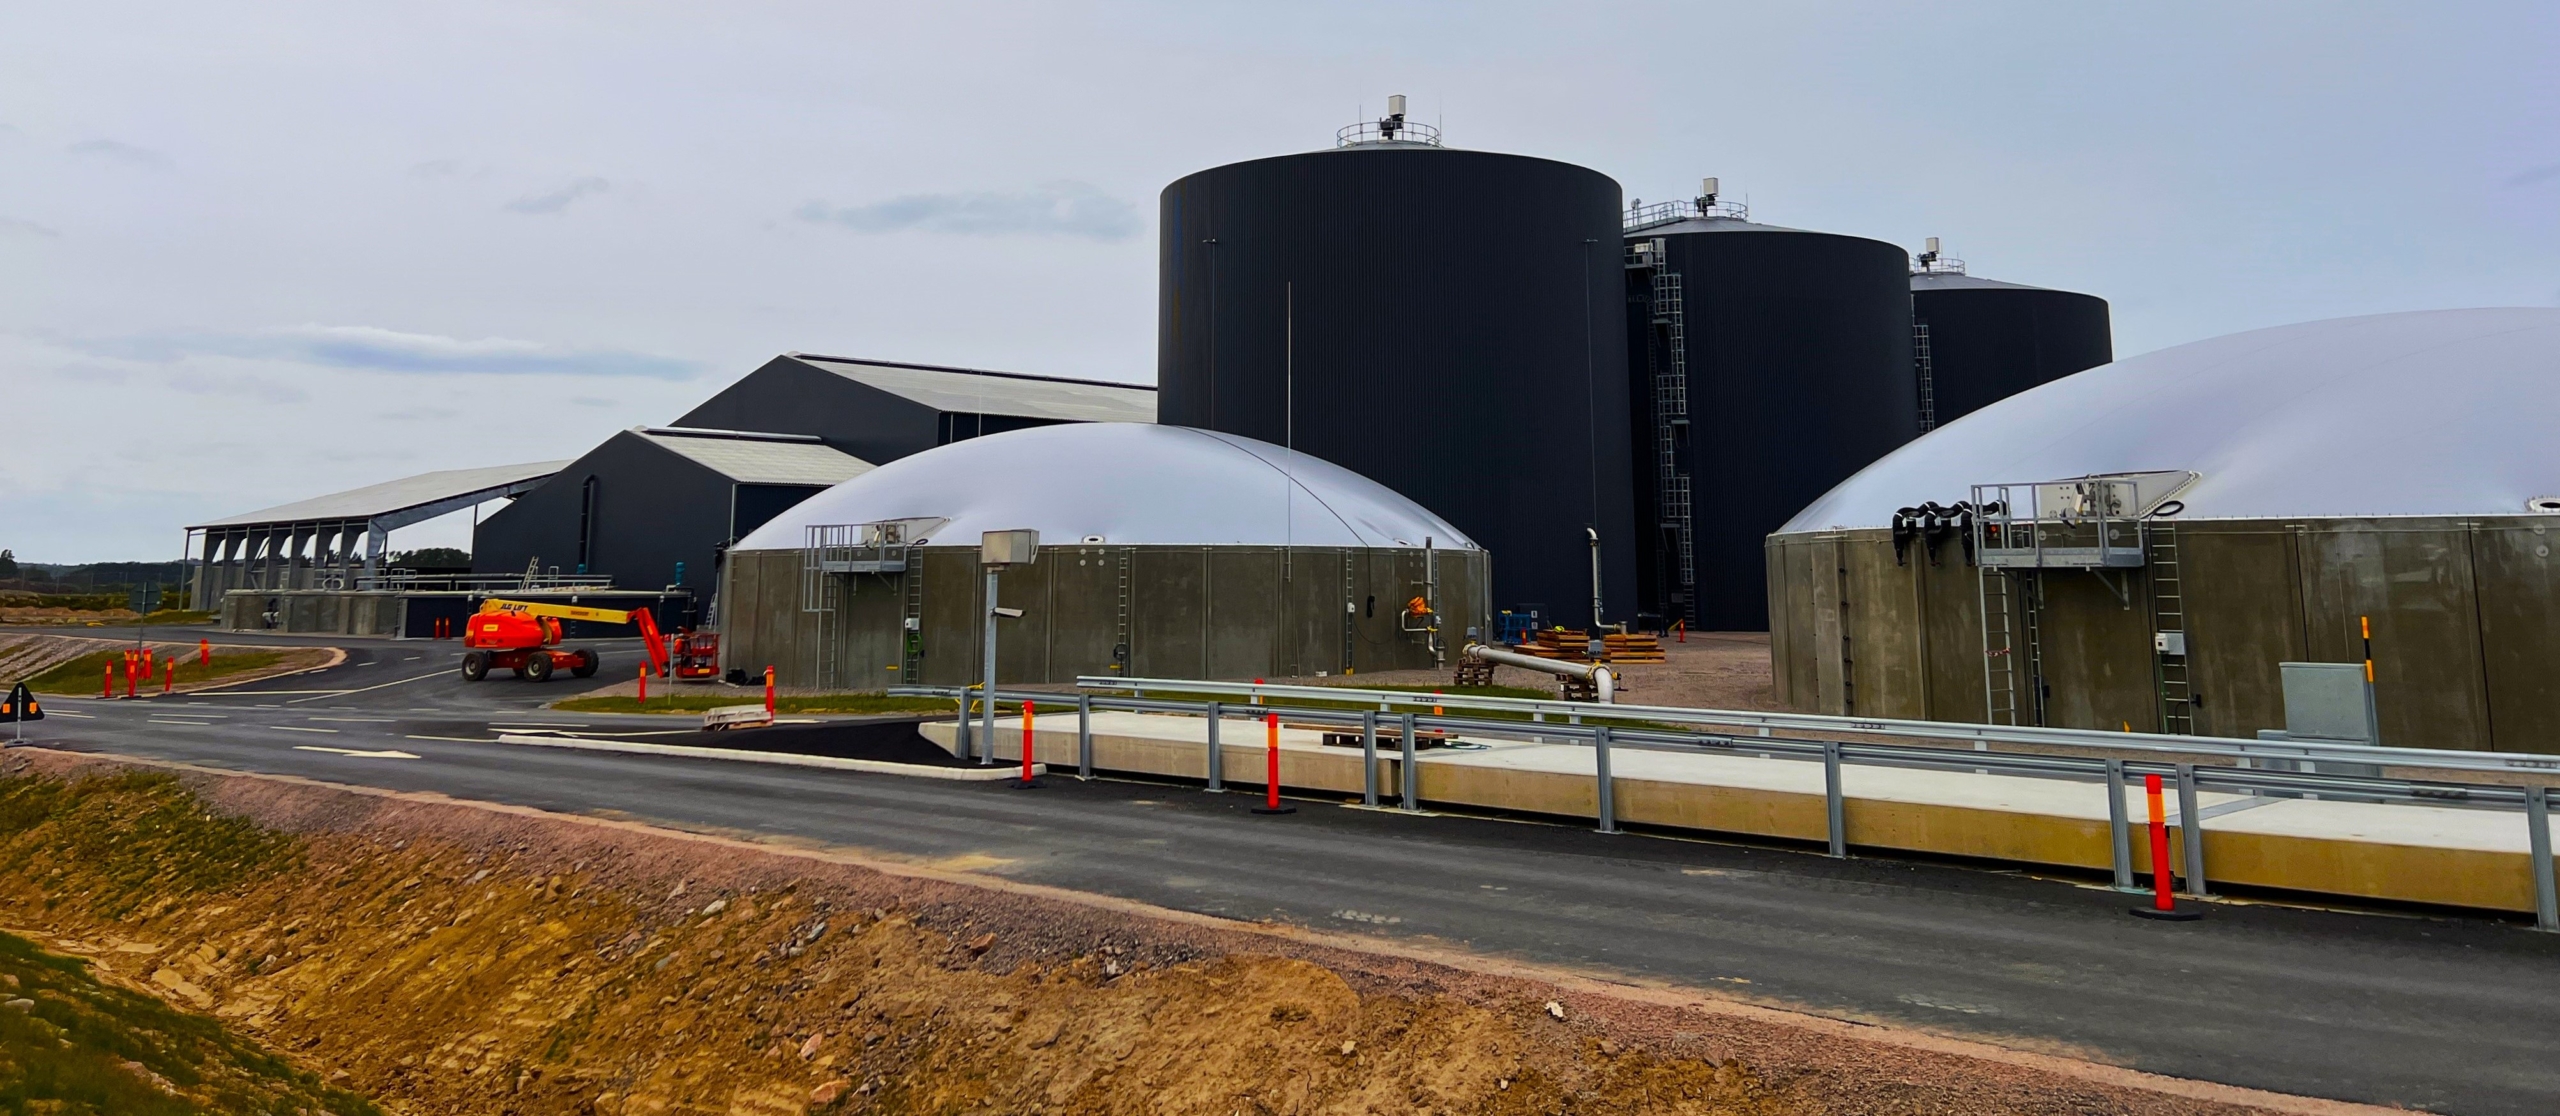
<point>876,767</point>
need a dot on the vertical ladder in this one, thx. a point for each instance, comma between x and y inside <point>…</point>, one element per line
<point>1349,595</point>
<point>1121,640</point>
<point>2031,624</point>
<point>1670,418</point>
<point>1999,647</point>
<point>2169,625</point>
<point>1926,372</point>
<point>911,621</point>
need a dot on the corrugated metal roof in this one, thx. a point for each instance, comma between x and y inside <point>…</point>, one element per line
<point>2432,412</point>
<point>760,459</point>
<point>397,495</point>
<point>1131,484</point>
<point>967,391</point>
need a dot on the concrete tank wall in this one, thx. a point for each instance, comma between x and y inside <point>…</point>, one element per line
<point>2466,627</point>
<point>1191,612</point>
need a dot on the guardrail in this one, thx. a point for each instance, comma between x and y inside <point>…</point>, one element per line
<point>1834,754</point>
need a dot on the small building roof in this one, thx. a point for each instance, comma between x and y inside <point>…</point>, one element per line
<point>407,494</point>
<point>972,391</point>
<point>748,457</point>
<point>1127,484</point>
<point>1958,281</point>
<point>2431,412</point>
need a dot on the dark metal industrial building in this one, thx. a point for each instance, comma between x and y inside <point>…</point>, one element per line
<point>1977,341</point>
<point>881,411</point>
<point>655,507</point>
<point>1767,365</point>
<point>1443,322</point>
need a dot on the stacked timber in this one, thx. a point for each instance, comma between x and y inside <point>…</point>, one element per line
<point>1573,645</point>
<point>1633,647</point>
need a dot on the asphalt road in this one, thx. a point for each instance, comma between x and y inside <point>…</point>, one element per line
<point>2444,1014</point>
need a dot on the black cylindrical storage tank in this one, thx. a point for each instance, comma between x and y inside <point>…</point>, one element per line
<point>1987,340</point>
<point>1797,351</point>
<point>1447,323</point>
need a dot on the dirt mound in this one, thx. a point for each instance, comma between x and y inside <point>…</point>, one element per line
<point>444,958</point>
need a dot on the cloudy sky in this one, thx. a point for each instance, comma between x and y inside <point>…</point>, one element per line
<point>250,253</point>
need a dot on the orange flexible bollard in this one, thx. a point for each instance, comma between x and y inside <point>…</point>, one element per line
<point>148,667</point>
<point>644,685</point>
<point>1027,781</point>
<point>768,693</point>
<point>107,683</point>
<point>1271,769</point>
<point>169,678</point>
<point>204,652</point>
<point>131,684</point>
<point>2162,906</point>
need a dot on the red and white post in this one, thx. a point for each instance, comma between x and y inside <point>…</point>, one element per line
<point>644,686</point>
<point>169,678</point>
<point>1271,769</point>
<point>768,693</point>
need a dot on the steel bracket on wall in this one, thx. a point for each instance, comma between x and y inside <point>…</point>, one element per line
<point>2122,588</point>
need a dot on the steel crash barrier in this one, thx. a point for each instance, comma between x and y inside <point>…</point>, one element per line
<point>2283,769</point>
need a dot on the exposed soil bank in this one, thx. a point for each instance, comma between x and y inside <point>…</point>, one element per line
<point>458,958</point>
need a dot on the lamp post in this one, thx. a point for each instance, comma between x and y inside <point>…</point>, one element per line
<point>997,550</point>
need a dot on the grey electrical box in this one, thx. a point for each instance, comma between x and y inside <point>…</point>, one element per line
<point>2169,643</point>
<point>2329,701</point>
<point>1008,548</point>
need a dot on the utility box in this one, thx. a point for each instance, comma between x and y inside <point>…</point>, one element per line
<point>2329,701</point>
<point>1008,548</point>
<point>2169,643</point>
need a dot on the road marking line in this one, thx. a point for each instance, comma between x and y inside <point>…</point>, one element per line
<point>460,739</point>
<point>68,713</point>
<point>385,754</point>
<point>875,767</point>
<point>195,724</point>
<point>361,720</point>
<point>299,728</point>
<point>385,685</point>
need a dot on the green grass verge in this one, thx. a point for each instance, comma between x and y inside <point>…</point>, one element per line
<point>143,834</point>
<point>80,675</point>
<point>90,1049</point>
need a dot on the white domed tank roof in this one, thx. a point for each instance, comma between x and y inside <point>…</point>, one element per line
<point>2438,412</point>
<point>1130,484</point>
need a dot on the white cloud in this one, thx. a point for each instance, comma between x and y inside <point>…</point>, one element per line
<point>384,350</point>
<point>120,152</point>
<point>1056,209</point>
<point>557,200</point>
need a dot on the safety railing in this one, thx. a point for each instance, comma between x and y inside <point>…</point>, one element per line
<point>1406,717</point>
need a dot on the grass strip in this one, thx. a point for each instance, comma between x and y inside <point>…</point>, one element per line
<point>80,675</point>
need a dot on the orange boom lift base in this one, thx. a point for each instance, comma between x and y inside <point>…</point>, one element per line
<point>524,636</point>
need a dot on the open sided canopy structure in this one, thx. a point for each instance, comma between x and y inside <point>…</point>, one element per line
<point>298,545</point>
<point>1163,550</point>
<point>2264,496</point>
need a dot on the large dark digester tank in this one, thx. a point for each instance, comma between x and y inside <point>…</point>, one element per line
<point>1768,365</point>
<point>1447,323</point>
<point>1980,340</point>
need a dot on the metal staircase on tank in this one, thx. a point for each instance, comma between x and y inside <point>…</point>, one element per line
<point>2169,632</point>
<point>1668,315</point>
<point>823,553</point>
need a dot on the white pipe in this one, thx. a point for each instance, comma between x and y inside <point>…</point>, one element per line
<point>1605,678</point>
